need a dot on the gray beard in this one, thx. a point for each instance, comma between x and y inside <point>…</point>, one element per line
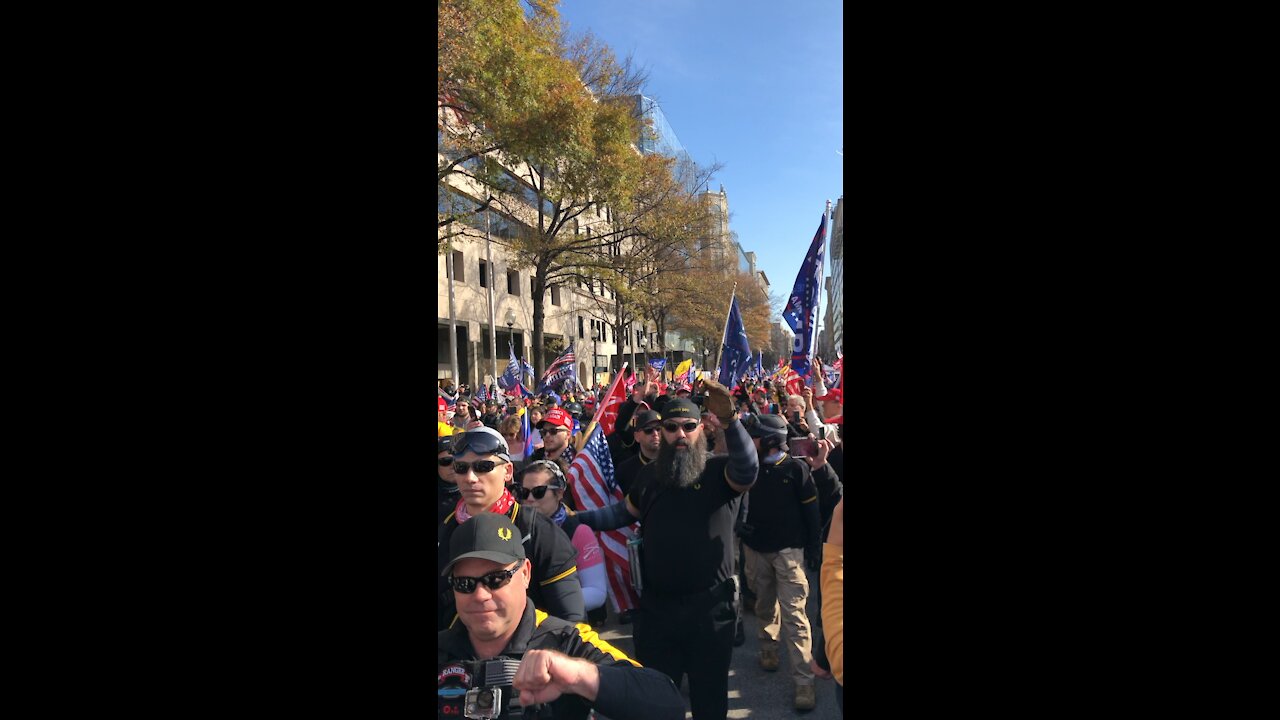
<point>681,469</point>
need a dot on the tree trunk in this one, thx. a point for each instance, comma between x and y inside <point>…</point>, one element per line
<point>539,296</point>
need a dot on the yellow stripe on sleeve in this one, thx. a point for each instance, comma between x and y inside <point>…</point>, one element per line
<point>590,636</point>
<point>561,576</point>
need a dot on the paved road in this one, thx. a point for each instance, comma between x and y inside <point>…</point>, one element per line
<point>753,693</point>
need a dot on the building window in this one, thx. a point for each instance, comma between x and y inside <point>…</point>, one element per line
<point>459,265</point>
<point>513,282</point>
<point>484,274</point>
<point>531,295</point>
<point>580,334</point>
<point>555,295</point>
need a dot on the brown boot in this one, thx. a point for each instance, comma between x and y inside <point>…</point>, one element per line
<point>805,697</point>
<point>769,656</point>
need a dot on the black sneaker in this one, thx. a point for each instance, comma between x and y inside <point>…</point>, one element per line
<point>624,617</point>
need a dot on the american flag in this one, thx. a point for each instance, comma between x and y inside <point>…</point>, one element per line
<point>560,369</point>
<point>592,481</point>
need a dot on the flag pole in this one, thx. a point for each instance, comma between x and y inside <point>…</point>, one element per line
<point>582,439</point>
<point>724,338</point>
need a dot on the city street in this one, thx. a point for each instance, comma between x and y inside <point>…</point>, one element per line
<point>753,693</point>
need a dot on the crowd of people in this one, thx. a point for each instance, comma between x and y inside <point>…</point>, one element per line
<point>734,494</point>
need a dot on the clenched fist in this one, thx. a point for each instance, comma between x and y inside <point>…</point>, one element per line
<point>545,675</point>
<point>718,400</point>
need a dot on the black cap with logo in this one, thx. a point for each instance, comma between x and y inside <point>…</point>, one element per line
<point>681,408</point>
<point>488,536</point>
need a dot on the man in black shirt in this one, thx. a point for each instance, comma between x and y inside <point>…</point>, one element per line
<point>491,417</point>
<point>532,658</point>
<point>483,470</point>
<point>647,434</point>
<point>781,529</point>
<point>687,502</point>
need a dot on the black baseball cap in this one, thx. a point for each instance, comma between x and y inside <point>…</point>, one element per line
<point>681,408</point>
<point>644,418</point>
<point>766,425</point>
<point>488,536</point>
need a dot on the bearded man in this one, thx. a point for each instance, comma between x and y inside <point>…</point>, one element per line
<point>687,502</point>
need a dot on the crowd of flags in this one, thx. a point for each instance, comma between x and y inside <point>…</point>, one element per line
<point>591,473</point>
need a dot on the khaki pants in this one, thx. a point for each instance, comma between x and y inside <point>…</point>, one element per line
<point>782,590</point>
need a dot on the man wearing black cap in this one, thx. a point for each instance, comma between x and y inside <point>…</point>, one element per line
<point>647,434</point>
<point>781,533</point>
<point>518,655</point>
<point>483,470</point>
<point>686,502</point>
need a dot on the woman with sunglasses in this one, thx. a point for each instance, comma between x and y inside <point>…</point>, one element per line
<point>482,468</point>
<point>446,486</point>
<point>542,486</point>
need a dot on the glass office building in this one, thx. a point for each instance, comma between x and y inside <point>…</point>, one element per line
<point>658,138</point>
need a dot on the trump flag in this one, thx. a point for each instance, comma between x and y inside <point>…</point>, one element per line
<point>801,312</point>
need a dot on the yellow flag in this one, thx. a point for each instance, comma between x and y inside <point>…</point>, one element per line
<point>683,367</point>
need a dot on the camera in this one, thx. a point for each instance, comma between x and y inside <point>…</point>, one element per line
<point>483,703</point>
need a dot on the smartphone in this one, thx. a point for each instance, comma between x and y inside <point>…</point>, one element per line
<point>803,447</point>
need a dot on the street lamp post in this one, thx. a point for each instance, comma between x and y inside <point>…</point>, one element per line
<point>511,320</point>
<point>595,353</point>
<point>705,353</point>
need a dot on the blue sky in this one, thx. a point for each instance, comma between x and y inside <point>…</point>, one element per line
<point>758,86</point>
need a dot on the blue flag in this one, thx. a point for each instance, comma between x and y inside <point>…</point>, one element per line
<point>735,353</point>
<point>658,364</point>
<point>511,377</point>
<point>801,312</point>
<point>528,370</point>
<point>760,365</point>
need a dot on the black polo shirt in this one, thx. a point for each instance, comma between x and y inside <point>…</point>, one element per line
<point>625,472</point>
<point>688,533</point>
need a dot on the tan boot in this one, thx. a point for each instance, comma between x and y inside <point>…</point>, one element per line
<point>769,656</point>
<point>805,697</point>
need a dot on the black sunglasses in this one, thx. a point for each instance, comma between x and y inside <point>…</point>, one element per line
<point>538,493</point>
<point>688,427</point>
<point>481,466</point>
<point>445,461</point>
<point>554,430</point>
<point>494,580</point>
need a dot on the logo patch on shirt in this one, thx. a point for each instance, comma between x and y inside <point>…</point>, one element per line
<point>457,678</point>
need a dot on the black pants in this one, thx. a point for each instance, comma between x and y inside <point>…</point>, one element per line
<point>679,637</point>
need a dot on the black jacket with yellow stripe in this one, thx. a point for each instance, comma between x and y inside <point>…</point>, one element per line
<point>782,509</point>
<point>555,587</point>
<point>627,690</point>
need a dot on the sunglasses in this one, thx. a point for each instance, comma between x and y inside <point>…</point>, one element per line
<point>538,493</point>
<point>445,461</point>
<point>673,427</point>
<point>649,430</point>
<point>481,466</point>
<point>554,430</point>
<point>494,580</point>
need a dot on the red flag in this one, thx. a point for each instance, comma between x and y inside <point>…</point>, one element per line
<point>611,403</point>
